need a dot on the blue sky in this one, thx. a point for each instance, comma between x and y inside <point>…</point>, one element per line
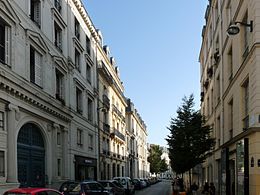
<point>156,45</point>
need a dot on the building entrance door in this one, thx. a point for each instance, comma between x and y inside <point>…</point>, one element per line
<point>31,156</point>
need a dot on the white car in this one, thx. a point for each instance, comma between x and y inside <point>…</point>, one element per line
<point>127,183</point>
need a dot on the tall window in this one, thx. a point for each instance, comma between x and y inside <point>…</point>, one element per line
<point>2,164</point>
<point>36,12</point>
<point>88,46</point>
<point>88,73</point>
<point>59,85</point>
<point>57,4</point>
<point>90,109</point>
<point>59,167</point>
<point>218,88</point>
<point>79,137</point>
<point>79,100</point>
<point>245,89</point>
<point>4,42</point>
<point>230,64</point>
<point>90,142</point>
<point>35,67</point>
<point>2,121</point>
<point>245,36</point>
<point>58,138</point>
<point>57,36</point>
<point>230,118</point>
<point>77,60</point>
<point>77,29</point>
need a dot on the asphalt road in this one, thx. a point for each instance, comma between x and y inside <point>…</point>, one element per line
<point>161,188</point>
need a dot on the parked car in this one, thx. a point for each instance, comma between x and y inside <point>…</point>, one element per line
<point>113,186</point>
<point>83,188</point>
<point>138,184</point>
<point>32,191</point>
<point>127,183</point>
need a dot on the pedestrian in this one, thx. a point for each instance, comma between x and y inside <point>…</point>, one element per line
<point>206,188</point>
<point>212,189</point>
<point>176,186</point>
<point>194,187</point>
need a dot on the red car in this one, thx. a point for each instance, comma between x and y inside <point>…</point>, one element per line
<point>32,191</point>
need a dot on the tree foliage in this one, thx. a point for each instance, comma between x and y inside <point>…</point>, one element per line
<point>189,140</point>
<point>157,165</point>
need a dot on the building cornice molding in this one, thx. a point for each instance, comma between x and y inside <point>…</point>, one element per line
<point>24,92</point>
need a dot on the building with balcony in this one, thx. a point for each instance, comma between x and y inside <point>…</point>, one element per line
<point>48,99</point>
<point>136,142</point>
<point>111,116</point>
<point>230,94</point>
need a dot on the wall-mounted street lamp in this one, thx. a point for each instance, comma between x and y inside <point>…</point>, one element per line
<point>233,29</point>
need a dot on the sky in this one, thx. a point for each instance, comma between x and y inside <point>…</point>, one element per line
<point>156,45</point>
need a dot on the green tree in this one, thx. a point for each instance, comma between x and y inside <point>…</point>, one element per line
<point>157,165</point>
<point>163,166</point>
<point>189,140</point>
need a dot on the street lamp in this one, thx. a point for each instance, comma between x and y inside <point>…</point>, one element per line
<point>233,28</point>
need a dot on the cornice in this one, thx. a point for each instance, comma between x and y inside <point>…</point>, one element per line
<point>28,95</point>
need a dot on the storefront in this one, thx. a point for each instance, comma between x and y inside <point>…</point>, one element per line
<point>85,168</point>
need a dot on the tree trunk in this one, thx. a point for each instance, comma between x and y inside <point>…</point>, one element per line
<point>190,177</point>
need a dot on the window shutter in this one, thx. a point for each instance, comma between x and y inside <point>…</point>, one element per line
<point>37,13</point>
<point>38,69</point>
<point>7,45</point>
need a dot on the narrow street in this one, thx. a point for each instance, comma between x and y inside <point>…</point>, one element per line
<point>161,188</point>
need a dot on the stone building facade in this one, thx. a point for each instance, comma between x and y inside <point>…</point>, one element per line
<point>62,103</point>
<point>230,94</point>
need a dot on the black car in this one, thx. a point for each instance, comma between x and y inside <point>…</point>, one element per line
<point>83,188</point>
<point>113,186</point>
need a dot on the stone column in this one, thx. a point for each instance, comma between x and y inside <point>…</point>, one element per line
<point>56,127</point>
<point>65,156</point>
<point>13,115</point>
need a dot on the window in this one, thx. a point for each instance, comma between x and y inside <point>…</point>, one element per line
<point>230,118</point>
<point>57,4</point>
<point>88,46</point>
<point>245,36</point>
<point>79,100</point>
<point>77,60</point>
<point>35,67</point>
<point>245,104</point>
<point>4,43</point>
<point>218,89</point>
<point>230,64</point>
<point>79,137</point>
<point>58,138</point>
<point>77,29</point>
<point>59,167</point>
<point>88,73</point>
<point>91,142</point>
<point>2,121</point>
<point>59,85</point>
<point>36,12</point>
<point>2,164</point>
<point>90,109</point>
<point>57,36</point>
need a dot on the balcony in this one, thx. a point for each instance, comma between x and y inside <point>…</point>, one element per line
<point>106,101</point>
<point>117,134</point>
<point>117,111</point>
<point>102,69</point>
